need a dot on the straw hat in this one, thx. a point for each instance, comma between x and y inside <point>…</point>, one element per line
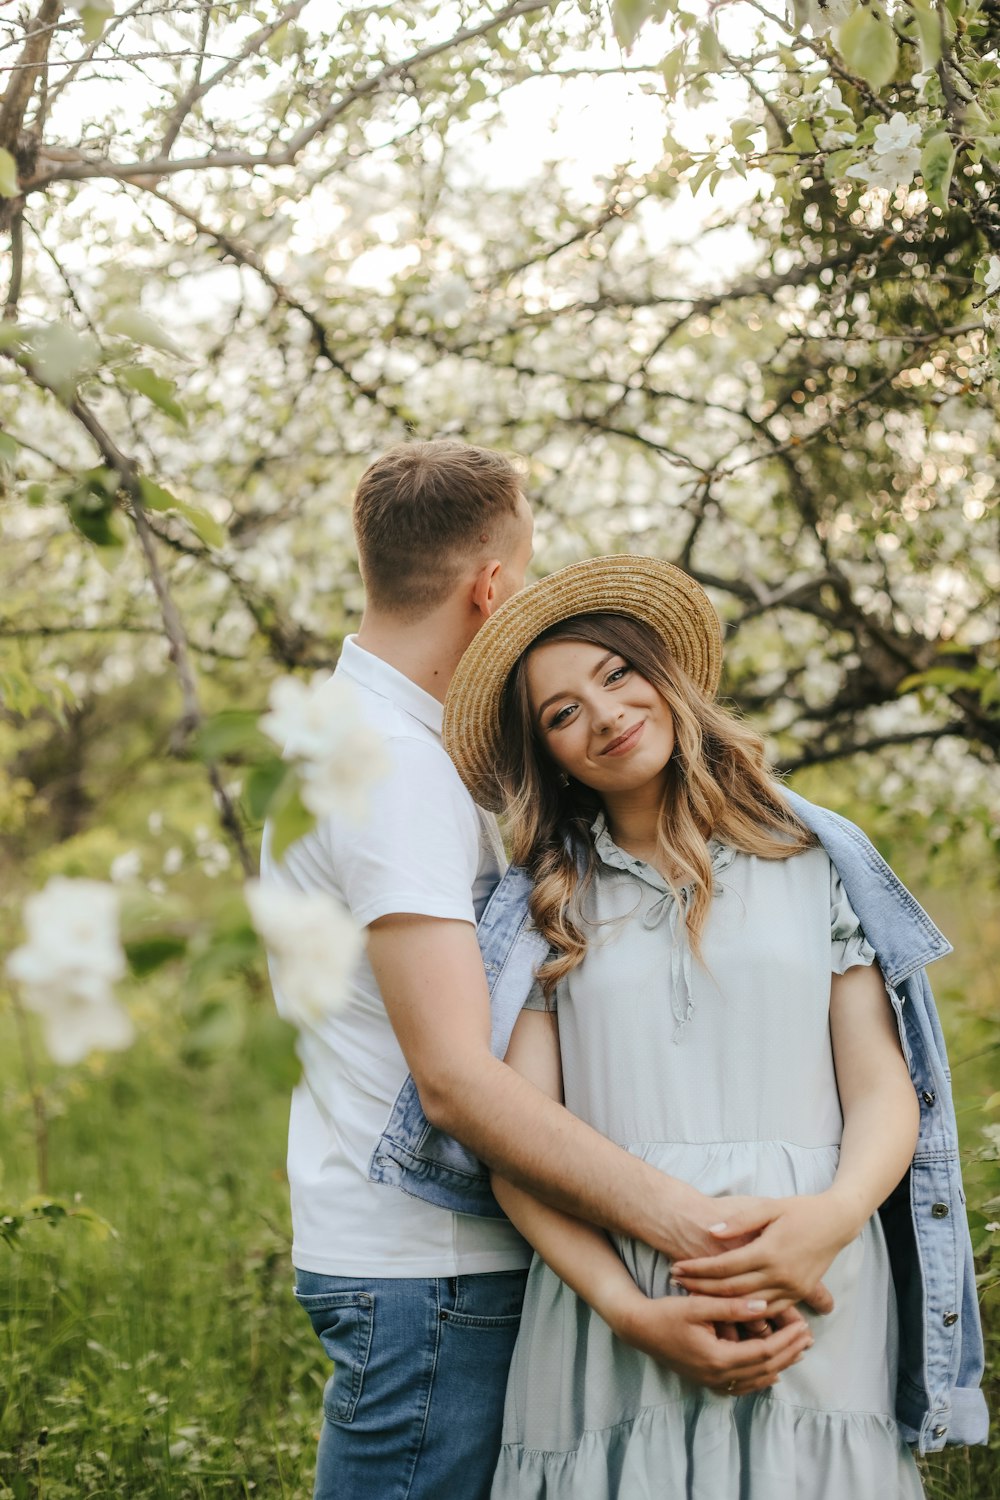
<point>645,588</point>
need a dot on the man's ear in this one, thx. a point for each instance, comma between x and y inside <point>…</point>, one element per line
<point>485,585</point>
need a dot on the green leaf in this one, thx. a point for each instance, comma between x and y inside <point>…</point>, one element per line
<point>97,1225</point>
<point>234,732</point>
<point>8,175</point>
<point>156,388</point>
<point>701,175</point>
<point>802,137</point>
<point>202,524</point>
<point>148,954</point>
<point>943,677</point>
<point>628,18</point>
<point>93,512</point>
<point>937,163</point>
<point>271,1053</point>
<point>8,448</point>
<point>95,15</point>
<point>290,818</point>
<point>154,496</point>
<point>134,324</point>
<point>60,357</point>
<point>219,1031</point>
<point>928,33</point>
<point>263,785</point>
<point>868,45</point>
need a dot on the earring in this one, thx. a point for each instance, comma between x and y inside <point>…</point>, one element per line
<point>563,779</point>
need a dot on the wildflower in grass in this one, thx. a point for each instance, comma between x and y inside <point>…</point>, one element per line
<point>68,967</point>
<point>338,755</point>
<point>312,944</point>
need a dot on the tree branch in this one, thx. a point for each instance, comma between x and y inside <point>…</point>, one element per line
<point>30,64</point>
<point>820,756</point>
<point>81,167</point>
<point>199,87</point>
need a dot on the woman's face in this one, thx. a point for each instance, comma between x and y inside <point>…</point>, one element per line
<point>599,720</point>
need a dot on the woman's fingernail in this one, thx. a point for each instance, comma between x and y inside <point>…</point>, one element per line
<point>717,1228</point>
<point>756,1304</point>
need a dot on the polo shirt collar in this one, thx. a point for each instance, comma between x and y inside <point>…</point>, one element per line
<point>377,676</point>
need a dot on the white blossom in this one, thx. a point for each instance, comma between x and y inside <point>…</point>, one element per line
<point>68,966</point>
<point>900,134</point>
<point>889,170</point>
<point>991,281</point>
<point>173,860</point>
<point>312,944</point>
<point>832,138</point>
<point>321,728</point>
<point>126,866</point>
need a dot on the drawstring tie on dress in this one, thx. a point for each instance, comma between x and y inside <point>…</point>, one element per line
<point>674,908</point>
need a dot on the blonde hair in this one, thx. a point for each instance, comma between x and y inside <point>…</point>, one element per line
<point>718,785</point>
<point>420,509</point>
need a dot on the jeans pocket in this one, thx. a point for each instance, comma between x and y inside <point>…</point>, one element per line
<point>343,1323</point>
<point>492,1300</point>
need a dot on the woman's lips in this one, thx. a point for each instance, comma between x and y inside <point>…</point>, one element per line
<point>625,741</point>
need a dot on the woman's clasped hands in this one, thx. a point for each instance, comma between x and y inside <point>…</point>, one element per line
<point>794,1240</point>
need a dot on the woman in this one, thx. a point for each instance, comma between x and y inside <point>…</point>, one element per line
<point>711,1003</point>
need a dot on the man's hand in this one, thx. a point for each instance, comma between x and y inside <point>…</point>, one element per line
<point>696,1226</point>
<point>681,1332</point>
<point>795,1241</point>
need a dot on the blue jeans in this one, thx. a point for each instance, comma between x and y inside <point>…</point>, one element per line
<point>414,1407</point>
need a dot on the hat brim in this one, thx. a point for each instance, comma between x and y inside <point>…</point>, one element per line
<point>644,588</point>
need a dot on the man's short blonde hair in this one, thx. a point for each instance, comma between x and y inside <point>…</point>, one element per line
<point>421,511</point>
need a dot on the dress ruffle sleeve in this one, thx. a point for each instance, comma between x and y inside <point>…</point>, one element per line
<point>848,945</point>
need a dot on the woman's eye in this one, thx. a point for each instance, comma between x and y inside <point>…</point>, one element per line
<point>618,673</point>
<point>561,716</point>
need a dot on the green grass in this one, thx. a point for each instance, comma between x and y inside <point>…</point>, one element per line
<point>171,1361</point>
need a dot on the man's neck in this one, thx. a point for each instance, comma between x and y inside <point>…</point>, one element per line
<point>426,651</point>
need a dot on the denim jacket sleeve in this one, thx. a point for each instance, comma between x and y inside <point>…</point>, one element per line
<point>414,1155</point>
<point>938,1399</point>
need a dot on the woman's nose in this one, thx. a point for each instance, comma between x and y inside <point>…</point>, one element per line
<point>606,717</point>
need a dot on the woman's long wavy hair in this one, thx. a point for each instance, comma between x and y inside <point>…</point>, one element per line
<point>718,785</point>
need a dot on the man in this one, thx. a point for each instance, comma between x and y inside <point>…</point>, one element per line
<point>416,1305</point>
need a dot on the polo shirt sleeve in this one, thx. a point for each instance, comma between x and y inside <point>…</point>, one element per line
<point>418,849</point>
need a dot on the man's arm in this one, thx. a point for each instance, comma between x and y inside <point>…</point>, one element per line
<point>430,974</point>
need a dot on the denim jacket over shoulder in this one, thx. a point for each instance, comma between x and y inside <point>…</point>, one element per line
<point>941,1345</point>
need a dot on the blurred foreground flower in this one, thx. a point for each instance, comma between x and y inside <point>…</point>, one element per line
<point>312,944</point>
<point>68,966</point>
<point>339,756</point>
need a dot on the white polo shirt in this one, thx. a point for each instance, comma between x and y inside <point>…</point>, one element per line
<point>425,848</point>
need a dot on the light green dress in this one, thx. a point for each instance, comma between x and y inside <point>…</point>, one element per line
<point>720,1072</point>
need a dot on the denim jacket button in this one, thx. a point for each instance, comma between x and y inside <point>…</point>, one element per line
<point>940,1432</point>
<point>950,1318</point>
<point>928,1097</point>
<point>939,1211</point>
